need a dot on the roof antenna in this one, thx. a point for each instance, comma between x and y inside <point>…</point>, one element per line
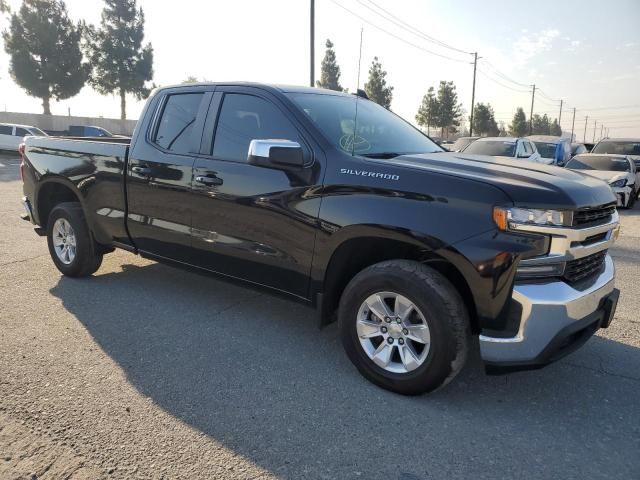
<point>359,59</point>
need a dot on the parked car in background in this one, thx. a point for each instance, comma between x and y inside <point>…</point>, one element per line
<point>620,146</point>
<point>505,147</point>
<point>12,135</point>
<point>88,131</point>
<point>447,145</point>
<point>553,150</point>
<point>618,171</point>
<point>577,149</point>
<point>462,143</point>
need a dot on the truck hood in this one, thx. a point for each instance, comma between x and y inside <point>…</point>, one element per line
<point>526,183</point>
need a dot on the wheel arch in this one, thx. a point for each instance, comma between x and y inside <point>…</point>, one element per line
<point>52,192</point>
<point>356,253</point>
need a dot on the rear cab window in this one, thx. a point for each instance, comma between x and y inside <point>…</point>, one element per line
<point>175,126</point>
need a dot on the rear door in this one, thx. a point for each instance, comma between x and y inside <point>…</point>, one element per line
<point>254,222</point>
<point>160,171</point>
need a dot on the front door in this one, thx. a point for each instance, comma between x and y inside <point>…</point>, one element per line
<point>254,222</point>
<point>160,174</point>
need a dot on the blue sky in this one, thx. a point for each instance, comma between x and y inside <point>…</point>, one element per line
<point>584,52</point>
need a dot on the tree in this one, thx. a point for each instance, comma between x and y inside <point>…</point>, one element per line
<point>541,125</point>
<point>449,110</point>
<point>502,130</point>
<point>121,64</point>
<point>484,122</point>
<point>555,128</point>
<point>519,126</point>
<point>44,49</point>
<point>329,70</point>
<point>376,87</point>
<point>194,79</point>
<point>4,7</point>
<point>428,110</point>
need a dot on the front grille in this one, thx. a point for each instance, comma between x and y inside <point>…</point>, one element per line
<point>582,268</point>
<point>593,215</point>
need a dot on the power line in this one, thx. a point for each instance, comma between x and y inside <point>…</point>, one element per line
<point>503,76</point>
<point>408,27</point>
<point>547,96</point>
<point>396,36</point>
<point>619,107</point>
<point>484,74</point>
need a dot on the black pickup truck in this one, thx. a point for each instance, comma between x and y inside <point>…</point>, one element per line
<point>334,201</point>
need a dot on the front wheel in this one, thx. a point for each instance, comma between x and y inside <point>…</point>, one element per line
<point>404,326</point>
<point>71,246</point>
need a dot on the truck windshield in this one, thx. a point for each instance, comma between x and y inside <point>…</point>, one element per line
<point>495,148</point>
<point>599,163</point>
<point>376,132</point>
<point>618,147</point>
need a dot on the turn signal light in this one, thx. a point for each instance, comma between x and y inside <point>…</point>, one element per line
<point>500,217</point>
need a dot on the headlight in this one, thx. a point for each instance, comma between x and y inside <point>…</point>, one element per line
<point>619,183</point>
<point>507,217</point>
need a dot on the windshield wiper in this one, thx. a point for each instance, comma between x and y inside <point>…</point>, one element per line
<point>382,154</point>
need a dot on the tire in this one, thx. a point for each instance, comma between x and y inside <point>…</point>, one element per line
<point>633,196</point>
<point>86,257</point>
<point>435,302</point>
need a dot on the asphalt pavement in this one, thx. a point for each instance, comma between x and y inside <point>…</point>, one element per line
<point>145,371</point>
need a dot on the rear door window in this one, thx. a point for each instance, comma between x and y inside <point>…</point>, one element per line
<point>175,128</point>
<point>244,118</point>
<point>6,130</point>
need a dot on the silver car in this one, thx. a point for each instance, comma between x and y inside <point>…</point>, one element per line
<point>504,147</point>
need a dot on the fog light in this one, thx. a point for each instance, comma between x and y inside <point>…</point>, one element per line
<point>540,270</point>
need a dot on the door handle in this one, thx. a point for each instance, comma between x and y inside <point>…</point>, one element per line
<point>141,170</point>
<point>209,180</point>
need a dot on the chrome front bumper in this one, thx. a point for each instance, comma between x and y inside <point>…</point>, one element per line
<point>548,310</point>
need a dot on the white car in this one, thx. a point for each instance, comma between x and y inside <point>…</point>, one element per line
<point>12,135</point>
<point>618,171</point>
<point>505,147</point>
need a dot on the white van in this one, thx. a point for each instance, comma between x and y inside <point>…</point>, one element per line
<point>12,135</point>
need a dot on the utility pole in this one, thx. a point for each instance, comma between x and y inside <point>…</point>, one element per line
<point>595,122</point>
<point>429,120</point>
<point>533,96</point>
<point>312,31</point>
<point>560,115</point>
<point>473,93</point>
<point>573,123</point>
<point>584,138</point>
<point>601,130</point>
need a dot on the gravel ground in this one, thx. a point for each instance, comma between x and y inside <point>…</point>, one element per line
<point>143,371</point>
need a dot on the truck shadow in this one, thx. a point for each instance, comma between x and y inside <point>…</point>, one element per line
<point>253,372</point>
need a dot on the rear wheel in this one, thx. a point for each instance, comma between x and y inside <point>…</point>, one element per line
<point>71,246</point>
<point>404,326</point>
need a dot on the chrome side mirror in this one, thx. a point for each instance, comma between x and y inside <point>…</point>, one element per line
<point>275,153</point>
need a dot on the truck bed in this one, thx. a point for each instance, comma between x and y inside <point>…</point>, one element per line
<point>96,166</point>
